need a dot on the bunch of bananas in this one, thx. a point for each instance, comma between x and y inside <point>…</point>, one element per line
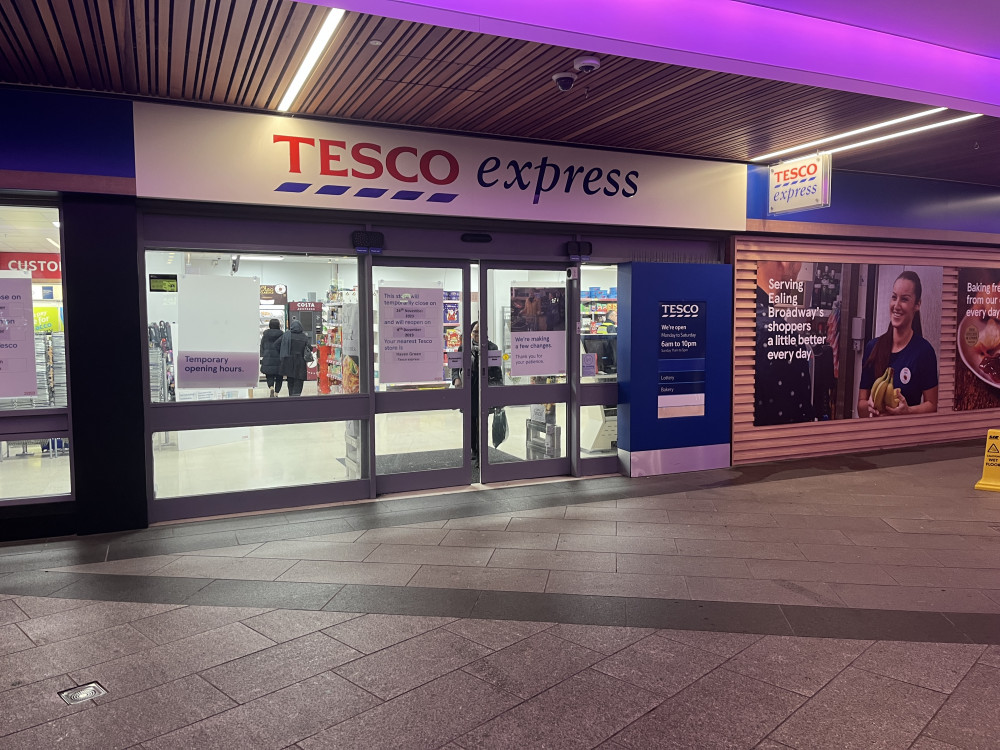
<point>883,393</point>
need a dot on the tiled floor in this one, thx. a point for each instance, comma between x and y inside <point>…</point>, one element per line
<point>800,605</point>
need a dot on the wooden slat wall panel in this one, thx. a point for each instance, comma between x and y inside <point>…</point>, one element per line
<point>753,444</point>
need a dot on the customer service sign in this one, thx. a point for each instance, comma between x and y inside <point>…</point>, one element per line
<point>200,154</point>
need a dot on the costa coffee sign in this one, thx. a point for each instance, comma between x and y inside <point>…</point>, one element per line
<point>200,154</point>
<point>41,265</point>
<point>799,184</point>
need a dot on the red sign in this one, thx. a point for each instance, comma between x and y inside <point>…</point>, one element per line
<point>41,265</point>
<point>305,306</point>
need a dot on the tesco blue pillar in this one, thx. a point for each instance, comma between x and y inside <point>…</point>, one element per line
<point>675,363</point>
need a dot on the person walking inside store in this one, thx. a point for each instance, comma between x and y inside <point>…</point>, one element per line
<point>270,357</point>
<point>494,377</point>
<point>902,347</point>
<point>295,353</point>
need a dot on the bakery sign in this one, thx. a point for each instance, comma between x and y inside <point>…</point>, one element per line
<point>799,184</point>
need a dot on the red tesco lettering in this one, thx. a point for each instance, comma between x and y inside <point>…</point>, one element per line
<point>364,161</point>
<point>796,173</point>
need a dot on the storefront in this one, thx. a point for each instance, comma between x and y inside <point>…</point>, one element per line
<point>191,230</point>
<point>393,251</point>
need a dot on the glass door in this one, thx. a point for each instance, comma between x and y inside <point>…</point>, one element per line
<point>524,372</point>
<point>422,394</point>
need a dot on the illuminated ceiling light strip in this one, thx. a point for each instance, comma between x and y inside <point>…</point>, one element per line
<point>904,132</point>
<point>323,38</point>
<point>56,244</point>
<point>859,131</point>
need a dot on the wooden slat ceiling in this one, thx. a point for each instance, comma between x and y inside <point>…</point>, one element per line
<point>243,53</point>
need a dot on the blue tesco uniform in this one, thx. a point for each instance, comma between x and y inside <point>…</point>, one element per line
<point>914,369</point>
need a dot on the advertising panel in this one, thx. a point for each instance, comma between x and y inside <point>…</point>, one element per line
<point>411,340</point>
<point>273,294</point>
<point>977,361</point>
<point>807,365</point>
<point>211,155</point>
<point>537,331</point>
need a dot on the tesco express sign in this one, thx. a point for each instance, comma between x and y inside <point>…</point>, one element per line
<point>799,184</point>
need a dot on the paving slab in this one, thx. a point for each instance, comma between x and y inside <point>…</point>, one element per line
<point>271,669</point>
<point>659,665</point>
<point>894,714</point>
<point>129,721</point>
<point>713,712</point>
<point>148,669</point>
<point>936,666</point>
<point>802,665</point>
<point>970,719</point>
<point>422,719</point>
<point>582,711</point>
<point>274,721</point>
<point>371,633</point>
<point>532,665</point>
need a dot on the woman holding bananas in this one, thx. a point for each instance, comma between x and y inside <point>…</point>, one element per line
<point>899,372</point>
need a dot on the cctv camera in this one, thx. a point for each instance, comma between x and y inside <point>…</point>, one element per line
<point>586,64</point>
<point>564,80</point>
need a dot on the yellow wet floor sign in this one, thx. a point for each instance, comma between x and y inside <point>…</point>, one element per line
<point>991,463</point>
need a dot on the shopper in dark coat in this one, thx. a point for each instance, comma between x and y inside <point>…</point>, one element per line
<point>294,345</point>
<point>270,356</point>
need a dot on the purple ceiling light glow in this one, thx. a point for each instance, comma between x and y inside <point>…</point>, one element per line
<point>734,37</point>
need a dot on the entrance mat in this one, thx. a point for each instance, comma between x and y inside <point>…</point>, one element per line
<point>451,458</point>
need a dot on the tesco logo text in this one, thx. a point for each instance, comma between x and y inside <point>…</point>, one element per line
<point>680,311</point>
<point>796,173</point>
<point>408,164</point>
<point>403,163</point>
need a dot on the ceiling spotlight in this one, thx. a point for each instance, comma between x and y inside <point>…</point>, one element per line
<point>564,80</point>
<point>375,42</point>
<point>586,64</point>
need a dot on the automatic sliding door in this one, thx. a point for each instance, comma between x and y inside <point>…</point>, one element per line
<point>524,373</point>
<point>421,402</point>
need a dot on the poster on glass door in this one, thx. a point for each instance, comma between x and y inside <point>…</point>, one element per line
<point>411,335</point>
<point>537,331</point>
<point>218,332</point>
<point>17,340</point>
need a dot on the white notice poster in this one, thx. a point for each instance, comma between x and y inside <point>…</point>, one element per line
<point>411,337</point>
<point>17,339</point>
<point>538,353</point>
<point>218,321</point>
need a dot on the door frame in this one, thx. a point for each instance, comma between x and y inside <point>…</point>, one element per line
<point>386,402</point>
<point>494,396</point>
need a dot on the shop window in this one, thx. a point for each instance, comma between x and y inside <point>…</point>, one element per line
<point>598,324</point>
<point>36,467</point>
<point>33,354</point>
<point>535,432</point>
<point>238,459</point>
<point>235,325</point>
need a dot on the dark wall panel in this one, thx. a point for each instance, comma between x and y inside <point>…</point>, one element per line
<point>105,353</point>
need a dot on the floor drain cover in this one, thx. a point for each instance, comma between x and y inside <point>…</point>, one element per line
<point>83,693</point>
